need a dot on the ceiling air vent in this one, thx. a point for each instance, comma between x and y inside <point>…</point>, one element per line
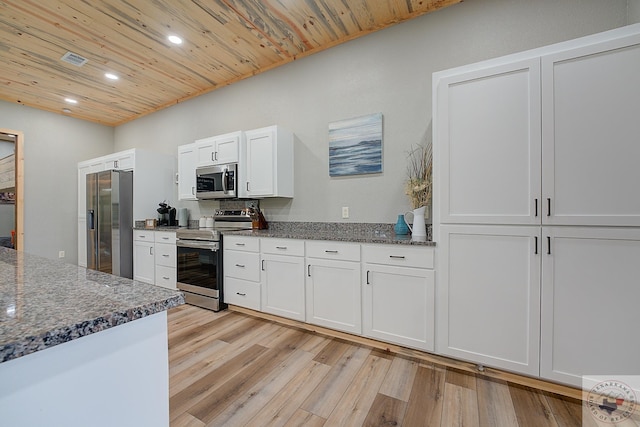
<point>74,58</point>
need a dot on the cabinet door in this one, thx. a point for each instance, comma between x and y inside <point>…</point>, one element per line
<point>187,158</point>
<point>143,262</point>
<point>591,99</point>
<point>398,305</point>
<point>260,164</point>
<point>206,151</point>
<point>227,147</point>
<point>283,286</point>
<point>487,145</point>
<point>590,297</point>
<point>489,296</point>
<point>333,294</point>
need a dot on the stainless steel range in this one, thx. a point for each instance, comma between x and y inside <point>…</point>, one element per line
<point>199,259</point>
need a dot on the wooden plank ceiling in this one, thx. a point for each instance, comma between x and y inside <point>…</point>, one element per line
<point>224,41</point>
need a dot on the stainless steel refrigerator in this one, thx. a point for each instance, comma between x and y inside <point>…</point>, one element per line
<point>110,222</point>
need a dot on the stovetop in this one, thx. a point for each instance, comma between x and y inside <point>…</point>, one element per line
<point>223,220</point>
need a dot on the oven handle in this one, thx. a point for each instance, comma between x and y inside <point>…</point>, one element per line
<point>197,245</point>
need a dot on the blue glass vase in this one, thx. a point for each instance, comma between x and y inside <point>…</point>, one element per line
<point>401,226</point>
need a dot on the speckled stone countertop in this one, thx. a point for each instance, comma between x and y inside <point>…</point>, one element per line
<point>44,302</point>
<point>342,232</point>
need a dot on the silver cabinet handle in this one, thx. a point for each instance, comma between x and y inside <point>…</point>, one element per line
<point>239,244</point>
<point>536,207</point>
<point>165,277</point>
<point>240,265</point>
<point>331,252</point>
<point>165,255</point>
<point>368,283</point>
<point>247,185</point>
<point>536,245</point>
<point>309,270</point>
<point>548,207</point>
<point>262,265</point>
<point>396,256</point>
<point>548,245</point>
<point>193,191</point>
<point>150,250</point>
<point>281,247</point>
<point>241,294</point>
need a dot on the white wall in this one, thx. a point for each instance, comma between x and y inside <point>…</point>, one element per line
<point>633,12</point>
<point>53,145</point>
<point>389,72</point>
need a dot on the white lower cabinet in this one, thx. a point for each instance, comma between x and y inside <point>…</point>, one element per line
<point>333,285</point>
<point>283,286</point>
<point>398,294</point>
<point>590,297</point>
<point>489,295</point>
<point>241,267</point>
<point>165,259</point>
<point>144,262</point>
<point>154,257</point>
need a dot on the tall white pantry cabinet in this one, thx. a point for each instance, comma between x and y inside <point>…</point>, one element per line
<point>536,175</point>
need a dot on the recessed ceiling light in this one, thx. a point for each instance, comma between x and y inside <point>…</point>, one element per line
<point>111,76</point>
<point>66,110</point>
<point>175,39</point>
<point>71,101</point>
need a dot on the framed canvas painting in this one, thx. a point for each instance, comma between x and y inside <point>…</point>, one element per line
<point>355,146</point>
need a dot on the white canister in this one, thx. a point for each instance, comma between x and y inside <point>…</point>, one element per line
<point>209,222</point>
<point>202,223</point>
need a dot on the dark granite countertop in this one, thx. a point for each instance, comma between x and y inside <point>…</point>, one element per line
<point>340,232</point>
<point>45,302</point>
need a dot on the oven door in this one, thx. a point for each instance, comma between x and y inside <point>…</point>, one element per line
<point>199,268</point>
<point>216,182</point>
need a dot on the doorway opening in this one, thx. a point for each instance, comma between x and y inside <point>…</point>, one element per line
<point>11,189</point>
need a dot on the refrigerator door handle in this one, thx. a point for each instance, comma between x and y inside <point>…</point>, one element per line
<point>92,225</point>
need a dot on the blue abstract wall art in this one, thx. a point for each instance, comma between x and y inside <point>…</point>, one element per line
<point>355,146</point>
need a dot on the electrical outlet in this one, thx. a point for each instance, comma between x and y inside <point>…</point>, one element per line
<point>61,254</point>
<point>345,212</point>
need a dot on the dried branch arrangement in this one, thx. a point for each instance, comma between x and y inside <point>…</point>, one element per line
<point>419,184</point>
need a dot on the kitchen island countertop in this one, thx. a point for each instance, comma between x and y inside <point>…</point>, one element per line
<point>44,302</point>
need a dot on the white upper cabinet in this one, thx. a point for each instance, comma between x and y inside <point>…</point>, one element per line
<point>489,123</point>
<point>266,167</point>
<point>187,158</point>
<point>124,160</point>
<point>590,105</point>
<point>548,139</point>
<point>220,149</point>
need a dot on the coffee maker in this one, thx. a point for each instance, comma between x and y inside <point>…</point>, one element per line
<point>167,215</point>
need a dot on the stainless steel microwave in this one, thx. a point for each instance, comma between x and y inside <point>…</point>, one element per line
<point>217,182</point>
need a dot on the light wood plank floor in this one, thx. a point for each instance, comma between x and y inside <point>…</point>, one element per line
<point>233,369</point>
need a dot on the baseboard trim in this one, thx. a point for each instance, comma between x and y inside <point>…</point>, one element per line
<point>488,372</point>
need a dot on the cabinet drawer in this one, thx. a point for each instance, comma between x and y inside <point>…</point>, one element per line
<point>241,243</point>
<point>165,237</point>
<point>283,246</point>
<point>242,293</point>
<point>333,250</point>
<point>143,235</point>
<point>165,254</point>
<point>242,265</point>
<point>166,277</point>
<point>420,257</point>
